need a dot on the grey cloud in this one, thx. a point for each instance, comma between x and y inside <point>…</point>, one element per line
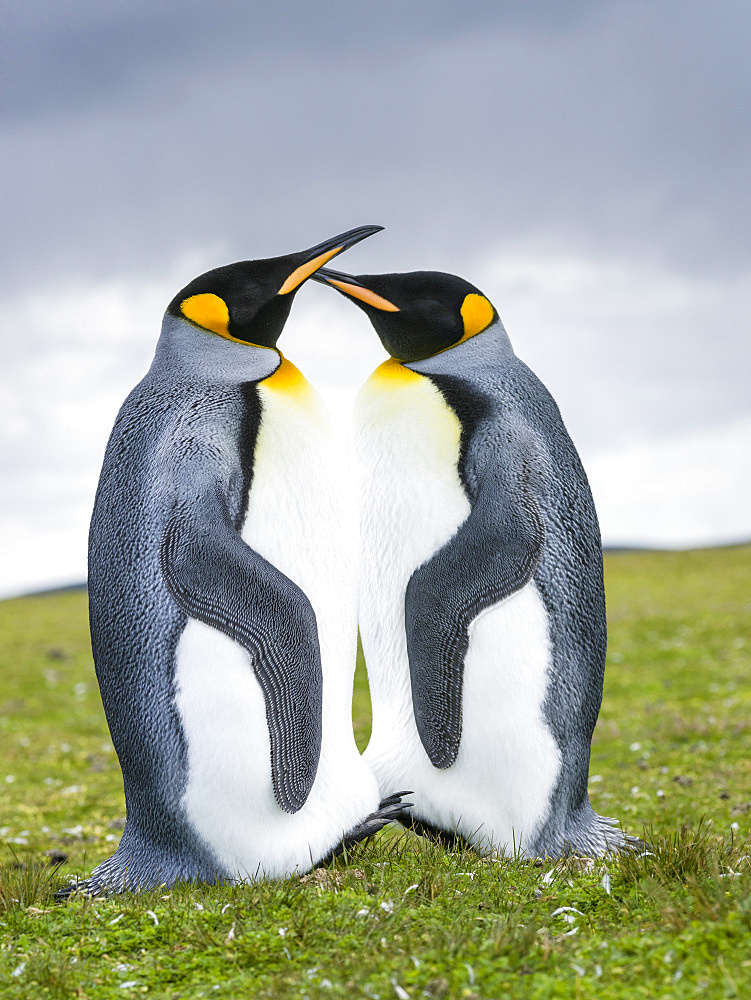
<point>91,53</point>
<point>613,126</point>
<point>144,142</point>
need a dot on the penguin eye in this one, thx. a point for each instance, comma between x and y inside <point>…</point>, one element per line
<point>436,314</point>
<point>207,311</point>
<point>477,314</point>
<point>432,308</point>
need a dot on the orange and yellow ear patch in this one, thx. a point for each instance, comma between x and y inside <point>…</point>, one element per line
<point>477,314</point>
<point>208,311</point>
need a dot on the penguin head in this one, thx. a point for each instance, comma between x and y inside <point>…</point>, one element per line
<point>419,313</point>
<point>249,302</point>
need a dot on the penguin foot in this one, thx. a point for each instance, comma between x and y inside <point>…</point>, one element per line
<point>586,834</point>
<point>633,844</point>
<point>449,839</point>
<point>76,888</point>
<point>390,809</point>
<point>66,892</point>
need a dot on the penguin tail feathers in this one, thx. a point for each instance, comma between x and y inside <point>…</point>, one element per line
<point>587,835</point>
<point>139,866</point>
<point>112,886</point>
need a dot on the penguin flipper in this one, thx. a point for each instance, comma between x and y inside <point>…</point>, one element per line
<point>492,555</point>
<point>216,578</point>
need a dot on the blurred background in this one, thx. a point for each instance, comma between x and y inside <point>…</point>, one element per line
<point>585,162</point>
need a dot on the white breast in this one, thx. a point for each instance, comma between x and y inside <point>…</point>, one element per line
<point>298,518</point>
<point>412,503</point>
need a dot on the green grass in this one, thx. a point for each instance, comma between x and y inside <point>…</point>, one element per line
<point>400,917</point>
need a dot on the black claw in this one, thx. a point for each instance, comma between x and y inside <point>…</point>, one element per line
<point>396,797</point>
<point>84,888</point>
<point>395,810</point>
<point>67,891</point>
<point>636,844</point>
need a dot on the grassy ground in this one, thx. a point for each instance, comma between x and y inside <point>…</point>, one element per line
<point>400,917</point>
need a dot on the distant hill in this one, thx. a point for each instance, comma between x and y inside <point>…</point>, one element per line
<point>56,590</point>
<point>607,549</point>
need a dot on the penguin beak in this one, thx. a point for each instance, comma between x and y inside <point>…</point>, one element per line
<point>354,289</point>
<point>319,255</point>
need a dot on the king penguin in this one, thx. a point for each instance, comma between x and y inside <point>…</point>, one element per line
<point>223,599</point>
<point>482,608</point>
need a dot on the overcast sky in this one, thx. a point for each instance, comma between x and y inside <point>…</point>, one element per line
<point>585,162</point>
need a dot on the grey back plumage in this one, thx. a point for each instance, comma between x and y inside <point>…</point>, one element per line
<point>512,417</point>
<point>189,402</point>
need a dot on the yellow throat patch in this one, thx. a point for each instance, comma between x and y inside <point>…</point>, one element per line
<point>289,380</point>
<point>393,374</point>
<point>396,398</point>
